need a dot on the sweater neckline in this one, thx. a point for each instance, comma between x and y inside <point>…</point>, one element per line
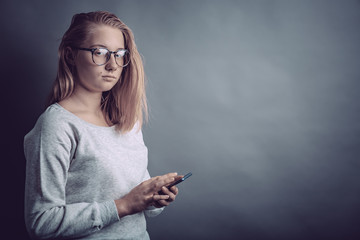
<point>82,120</point>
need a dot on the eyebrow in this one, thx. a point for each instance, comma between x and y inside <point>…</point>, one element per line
<point>100,45</point>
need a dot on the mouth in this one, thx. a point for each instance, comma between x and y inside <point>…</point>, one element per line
<point>109,77</point>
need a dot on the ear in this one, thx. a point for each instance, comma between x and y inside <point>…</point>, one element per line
<point>69,56</point>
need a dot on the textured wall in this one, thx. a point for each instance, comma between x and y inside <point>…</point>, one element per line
<point>259,99</point>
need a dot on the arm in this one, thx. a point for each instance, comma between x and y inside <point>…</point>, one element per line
<point>48,151</point>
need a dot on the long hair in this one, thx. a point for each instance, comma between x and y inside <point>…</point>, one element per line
<point>125,104</point>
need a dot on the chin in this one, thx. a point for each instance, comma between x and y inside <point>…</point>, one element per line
<point>108,87</point>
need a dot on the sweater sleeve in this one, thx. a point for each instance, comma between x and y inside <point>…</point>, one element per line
<point>48,151</point>
<point>152,211</point>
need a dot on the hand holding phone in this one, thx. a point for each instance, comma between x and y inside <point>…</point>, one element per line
<point>172,195</point>
<point>180,180</point>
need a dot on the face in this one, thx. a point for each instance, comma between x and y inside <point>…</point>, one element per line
<point>96,78</point>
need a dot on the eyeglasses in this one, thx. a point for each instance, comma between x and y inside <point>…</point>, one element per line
<point>101,56</point>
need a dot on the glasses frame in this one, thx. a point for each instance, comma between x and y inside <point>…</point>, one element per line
<point>92,50</point>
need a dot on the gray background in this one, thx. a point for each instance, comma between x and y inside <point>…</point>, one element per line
<point>259,99</point>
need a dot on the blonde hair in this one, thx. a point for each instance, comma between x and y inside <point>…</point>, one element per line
<point>125,104</point>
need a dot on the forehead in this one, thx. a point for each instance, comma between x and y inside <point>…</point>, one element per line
<point>107,36</point>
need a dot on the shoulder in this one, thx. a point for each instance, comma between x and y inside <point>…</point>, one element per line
<point>136,133</point>
<point>54,121</point>
<point>55,117</point>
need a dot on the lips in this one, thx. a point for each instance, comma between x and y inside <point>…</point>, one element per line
<point>109,76</point>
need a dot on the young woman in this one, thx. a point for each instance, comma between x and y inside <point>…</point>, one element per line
<point>86,172</point>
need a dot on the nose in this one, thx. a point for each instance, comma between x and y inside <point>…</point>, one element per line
<point>111,64</point>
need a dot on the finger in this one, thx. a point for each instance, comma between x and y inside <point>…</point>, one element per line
<point>174,190</point>
<point>148,198</point>
<point>167,181</point>
<point>165,190</point>
<point>176,179</point>
<point>179,177</point>
<point>148,186</point>
<point>157,197</point>
<point>171,195</point>
<point>163,203</point>
<point>168,178</point>
<point>159,181</point>
<point>173,174</point>
<point>156,184</point>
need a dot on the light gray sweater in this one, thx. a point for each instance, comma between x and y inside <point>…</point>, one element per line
<point>74,172</point>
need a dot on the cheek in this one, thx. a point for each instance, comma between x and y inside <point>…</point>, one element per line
<point>85,73</point>
<point>86,70</point>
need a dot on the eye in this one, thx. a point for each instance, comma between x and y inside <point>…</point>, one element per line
<point>121,53</point>
<point>100,52</point>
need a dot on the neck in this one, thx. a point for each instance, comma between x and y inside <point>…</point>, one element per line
<point>87,101</point>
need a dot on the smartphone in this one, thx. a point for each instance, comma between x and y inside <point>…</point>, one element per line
<point>180,180</point>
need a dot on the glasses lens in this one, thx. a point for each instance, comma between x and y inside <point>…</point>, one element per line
<point>122,57</point>
<point>101,56</point>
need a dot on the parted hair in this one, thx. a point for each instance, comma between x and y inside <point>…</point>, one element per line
<point>125,104</point>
